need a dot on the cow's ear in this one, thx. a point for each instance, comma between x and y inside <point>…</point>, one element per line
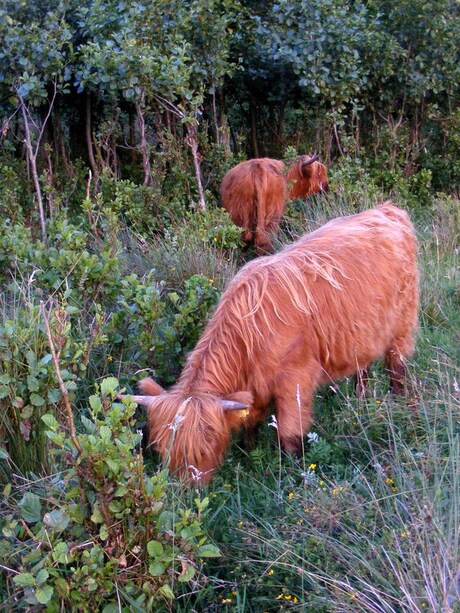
<point>149,387</point>
<point>306,170</point>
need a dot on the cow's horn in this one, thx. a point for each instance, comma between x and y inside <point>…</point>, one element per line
<point>233,405</point>
<point>313,158</point>
<point>143,400</point>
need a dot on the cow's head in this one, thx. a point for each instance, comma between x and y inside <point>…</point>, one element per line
<point>307,177</point>
<point>192,432</point>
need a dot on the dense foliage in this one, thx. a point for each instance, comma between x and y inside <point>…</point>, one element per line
<point>117,122</point>
<point>161,92</point>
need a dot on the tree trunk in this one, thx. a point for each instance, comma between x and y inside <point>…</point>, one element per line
<point>143,145</point>
<point>89,138</point>
<point>192,141</point>
<point>32,159</point>
<point>214,117</point>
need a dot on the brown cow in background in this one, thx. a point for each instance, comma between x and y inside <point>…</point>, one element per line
<point>323,308</point>
<point>255,193</point>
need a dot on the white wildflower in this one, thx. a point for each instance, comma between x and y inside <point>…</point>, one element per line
<point>312,437</point>
<point>196,474</point>
<point>309,477</point>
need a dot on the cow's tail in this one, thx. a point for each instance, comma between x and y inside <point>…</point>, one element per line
<point>261,234</point>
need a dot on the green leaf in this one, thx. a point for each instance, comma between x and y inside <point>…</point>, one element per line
<point>105,433</point>
<point>112,607</point>
<point>61,553</point>
<point>109,386</point>
<point>37,400</point>
<point>31,509</point>
<point>121,490</point>
<point>114,466</point>
<point>27,412</point>
<point>95,403</point>
<point>154,549</point>
<point>166,591</point>
<point>24,579</point>
<point>192,531</point>
<point>103,533</point>
<point>208,551</point>
<point>96,516</point>
<point>46,359</point>
<point>4,391</point>
<point>156,569</point>
<point>54,395</point>
<point>165,521</point>
<point>32,384</point>
<point>42,576</point>
<point>4,455</point>
<point>7,490</point>
<point>50,421</point>
<point>44,594</point>
<point>56,520</point>
<point>88,424</point>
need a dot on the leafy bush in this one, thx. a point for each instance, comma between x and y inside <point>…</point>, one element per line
<point>156,327</point>
<point>109,532</point>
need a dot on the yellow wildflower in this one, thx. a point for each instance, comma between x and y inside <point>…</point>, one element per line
<point>312,467</point>
<point>271,572</point>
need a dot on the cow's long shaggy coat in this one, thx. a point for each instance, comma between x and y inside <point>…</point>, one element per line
<point>323,308</point>
<point>254,193</point>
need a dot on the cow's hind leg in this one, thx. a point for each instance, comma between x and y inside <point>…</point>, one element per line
<point>395,364</point>
<point>361,382</point>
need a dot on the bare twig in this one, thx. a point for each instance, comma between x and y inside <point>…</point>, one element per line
<point>62,387</point>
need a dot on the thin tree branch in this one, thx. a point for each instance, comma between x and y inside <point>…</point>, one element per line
<point>62,387</point>
<point>47,116</point>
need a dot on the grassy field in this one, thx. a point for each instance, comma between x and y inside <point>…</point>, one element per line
<point>366,520</point>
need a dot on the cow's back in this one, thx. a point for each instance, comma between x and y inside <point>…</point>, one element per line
<point>339,296</point>
<point>254,195</point>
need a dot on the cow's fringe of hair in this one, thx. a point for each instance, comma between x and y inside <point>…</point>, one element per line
<point>179,429</point>
<point>258,292</point>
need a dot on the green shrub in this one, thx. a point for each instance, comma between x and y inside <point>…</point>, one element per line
<point>156,327</point>
<point>110,533</point>
<point>11,193</point>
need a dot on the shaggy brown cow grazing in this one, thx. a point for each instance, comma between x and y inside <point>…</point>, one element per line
<point>254,193</point>
<point>323,308</point>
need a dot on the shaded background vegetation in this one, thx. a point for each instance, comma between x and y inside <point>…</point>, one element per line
<point>170,94</point>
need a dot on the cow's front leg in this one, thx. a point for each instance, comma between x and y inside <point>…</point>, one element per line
<point>294,415</point>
